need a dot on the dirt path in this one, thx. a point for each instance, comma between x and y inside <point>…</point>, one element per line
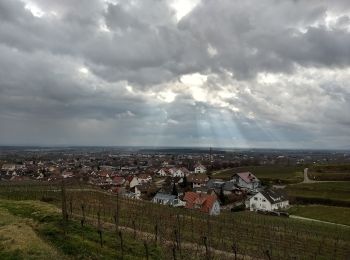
<point>306,177</point>
<point>308,180</point>
<point>223,170</point>
<point>320,221</point>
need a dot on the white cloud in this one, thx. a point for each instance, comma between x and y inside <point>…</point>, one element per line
<point>264,72</point>
<point>183,7</point>
<point>34,9</point>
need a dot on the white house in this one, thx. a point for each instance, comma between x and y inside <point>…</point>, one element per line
<point>134,182</point>
<point>172,171</point>
<point>198,180</point>
<point>268,200</point>
<point>167,199</point>
<point>134,193</point>
<point>163,172</point>
<point>8,167</point>
<point>199,168</point>
<point>180,172</point>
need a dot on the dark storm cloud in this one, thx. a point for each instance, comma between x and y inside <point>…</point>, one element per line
<point>253,36</point>
<point>111,72</point>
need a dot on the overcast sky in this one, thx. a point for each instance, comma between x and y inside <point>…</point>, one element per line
<point>252,73</point>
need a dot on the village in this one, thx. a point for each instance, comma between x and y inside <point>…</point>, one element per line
<point>183,180</point>
<point>163,192</point>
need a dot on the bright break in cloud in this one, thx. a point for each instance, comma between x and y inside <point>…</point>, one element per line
<point>255,73</point>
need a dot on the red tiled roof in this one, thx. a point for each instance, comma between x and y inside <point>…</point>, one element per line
<point>118,179</point>
<point>103,173</point>
<point>204,202</point>
<point>129,178</point>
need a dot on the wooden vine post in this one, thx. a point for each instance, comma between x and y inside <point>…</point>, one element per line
<point>64,207</point>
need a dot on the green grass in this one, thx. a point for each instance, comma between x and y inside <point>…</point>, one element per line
<point>332,214</point>
<point>329,176</point>
<point>18,239</point>
<point>327,191</point>
<point>332,172</point>
<point>270,173</point>
<point>253,233</point>
<point>331,168</point>
<point>33,230</point>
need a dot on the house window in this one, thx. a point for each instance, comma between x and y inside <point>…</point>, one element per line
<point>255,198</point>
<point>264,200</point>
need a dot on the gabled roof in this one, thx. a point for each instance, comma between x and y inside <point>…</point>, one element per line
<point>247,177</point>
<point>104,173</point>
<point>199,165</point>
<point>129,178</point>
<point>184,170</point>
<point>274,196</point>
<point>204,202</point>
<point>118,179</point>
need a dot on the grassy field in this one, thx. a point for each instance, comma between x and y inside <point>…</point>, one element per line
<point>331,168</point>
<point>33,230</point>
<point>337,191</point>
<point>274,174</point>
<point>251,233</point>
<point>338,215</point>
<point>330,172</point>
<point>329,176</point>
<point>18,240</point>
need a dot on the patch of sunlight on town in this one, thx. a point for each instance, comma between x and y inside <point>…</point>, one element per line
<point>183,7</point>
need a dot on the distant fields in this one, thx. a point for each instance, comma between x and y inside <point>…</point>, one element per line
<point>270,173</point>
<point>339,215</point>
<point>331,193</point>
<point>330,172</point>
<point>328,176</point>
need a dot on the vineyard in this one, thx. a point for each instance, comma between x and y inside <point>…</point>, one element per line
<point>185,234</point>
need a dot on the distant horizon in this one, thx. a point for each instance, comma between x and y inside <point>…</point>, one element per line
<point>171,147</point>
